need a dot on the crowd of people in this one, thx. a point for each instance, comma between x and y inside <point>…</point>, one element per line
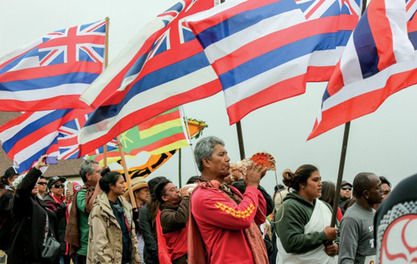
<point>210,220</point>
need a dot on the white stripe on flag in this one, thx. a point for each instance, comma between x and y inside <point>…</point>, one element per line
<point>350,60</point>
<point>147,98</point>
<point>266,79</point>
<point>265,27</point>
<point>403,49</point>
<point>326,57</point>
<point>215,10</point>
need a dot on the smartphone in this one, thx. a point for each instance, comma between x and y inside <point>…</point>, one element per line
<point>70,188</point>
<point>51,160</point>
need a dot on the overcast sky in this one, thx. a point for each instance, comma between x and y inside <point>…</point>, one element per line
<point>384,142</point>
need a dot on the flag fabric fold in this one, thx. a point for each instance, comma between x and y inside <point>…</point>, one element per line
<point>163,68</point>
<point>379,60</point>
<point>33,134</point>
<point>52,72</point>
<point>266,51</point>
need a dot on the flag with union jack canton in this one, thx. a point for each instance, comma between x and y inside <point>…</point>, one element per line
<point>379,60</point>
<point>162,67</point>
<point>53,132</point>
<point>51,72</point>
<point>266,51</point>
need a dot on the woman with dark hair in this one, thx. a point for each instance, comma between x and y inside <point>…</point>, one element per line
<point>301,223</point>
<point>147,224</point>
<point>328,192</point>
<point>112,236</point>
<point>7,191</point>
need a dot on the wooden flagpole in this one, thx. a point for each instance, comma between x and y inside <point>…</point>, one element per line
<point>106,61</point>
<point>240,139</point>
<point>342,158</point>
<point>119,144</point>
<point>129,185</point>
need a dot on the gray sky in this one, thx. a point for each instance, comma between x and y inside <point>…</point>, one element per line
<point>383,142</point>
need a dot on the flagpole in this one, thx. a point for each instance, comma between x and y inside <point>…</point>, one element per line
<point>340,173</point>
<point>240,139</point>
<point>129,185</point>
<point>342,158</point>
<point>106,61</point>
<point>179,168</point>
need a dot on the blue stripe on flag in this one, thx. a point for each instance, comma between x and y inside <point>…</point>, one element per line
<point>149,81</point>
<point>413,38</point>
<point>48,82</point>
<point>366,47</point>
<point>243,20</point>
<point>272,60</point>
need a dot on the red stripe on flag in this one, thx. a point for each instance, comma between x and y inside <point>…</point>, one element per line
<point>336,81</point>
<point>308,15</point>
<point>319,73</point>
<point>363,104</point>
<point>159,120</point>
<point>280,91</point>
<point>380,26</point>
<point>58,102</point>
<point>52,70</point>
<point>292,34</point>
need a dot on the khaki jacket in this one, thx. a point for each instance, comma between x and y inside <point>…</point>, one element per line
<point>105,235</point>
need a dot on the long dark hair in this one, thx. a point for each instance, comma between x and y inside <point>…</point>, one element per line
<point>328,191</point>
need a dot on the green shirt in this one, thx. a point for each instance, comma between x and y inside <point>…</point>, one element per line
<point>82,222</point>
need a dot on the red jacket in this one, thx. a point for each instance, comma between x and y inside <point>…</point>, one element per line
<point>222,223</point>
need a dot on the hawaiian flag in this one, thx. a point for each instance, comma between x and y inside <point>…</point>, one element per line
<point>33,134</point>
<point>163,67</point>
<point>379,60</point>
<point>266,51</point>
<point>52,72</point>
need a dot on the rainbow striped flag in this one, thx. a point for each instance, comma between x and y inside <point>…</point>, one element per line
<point>157,135</point>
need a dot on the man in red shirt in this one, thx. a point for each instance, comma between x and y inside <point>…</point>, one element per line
<point>226,219</point>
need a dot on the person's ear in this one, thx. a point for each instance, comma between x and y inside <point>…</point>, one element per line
<point>365,194</point>
<point>164,198</point>
<point>206,162</point>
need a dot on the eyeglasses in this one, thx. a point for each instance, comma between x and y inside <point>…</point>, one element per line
<point>58,185</point>
<point>42,183</point>
<point>346,189</point>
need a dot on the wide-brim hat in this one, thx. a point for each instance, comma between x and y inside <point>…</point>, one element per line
<point>54,179</point>
<point>137,184</point>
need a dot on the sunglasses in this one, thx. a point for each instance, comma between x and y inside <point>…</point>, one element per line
<point>346,188</point>
<point>42,183</point>
<point>58,185</point>
<point>385,192</point>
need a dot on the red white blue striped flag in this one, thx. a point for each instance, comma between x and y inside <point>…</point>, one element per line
<point>266,51</point>
<point>379,60</point>
<point>54,132</point>
<point>162,67</point>
<point>52,72</point>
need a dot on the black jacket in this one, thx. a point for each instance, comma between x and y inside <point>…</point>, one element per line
<point>60,212</point>
<point>29,215</point>
<point>150,251</point>
<point>5,219</point>
<point>240,185</point>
